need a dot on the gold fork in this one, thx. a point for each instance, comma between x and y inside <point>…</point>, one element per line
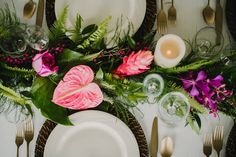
<point>172,13</point>
<point>218,139</point>
<point>161,21</point>
<point>19,138</point>
<point>29,133</point>
<point>207,145</point>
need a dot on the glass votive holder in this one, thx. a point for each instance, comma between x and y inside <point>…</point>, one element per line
<point>173,108</point>
<point>153,86</point>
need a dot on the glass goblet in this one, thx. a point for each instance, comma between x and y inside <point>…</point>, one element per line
<point>153,86</point>
<point>205,44</point>
<point>173,108</point>
<point>36,38</point>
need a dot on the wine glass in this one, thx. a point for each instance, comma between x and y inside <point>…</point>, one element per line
<point>173,108</point>
<point>205,43</point>
<point>227,57</point>
<point>14,44</point>
<point>153,86</point>
<point>36,38</point>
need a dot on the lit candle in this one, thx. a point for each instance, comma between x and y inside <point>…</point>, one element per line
<point>170,50</point>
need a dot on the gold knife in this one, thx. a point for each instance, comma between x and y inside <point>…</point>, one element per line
<point>154,138</point>
<point>40,13</point>
<point>219,22</point>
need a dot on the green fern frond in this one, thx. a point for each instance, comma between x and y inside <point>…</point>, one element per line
<point>185,68</point>
<point>8,19</point>
<point>193,103</point>
<point>76,32</point>
<point>127,92</point>
<point>15,71</point>
<point>12,95</point>
<point>13,104</point>
<point>57,31</point>
<point>96,36</point>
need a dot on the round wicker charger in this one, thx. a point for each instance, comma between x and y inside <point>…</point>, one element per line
<point>230,14</point>
<point>132,123</point>
<point>231,143</point>
<point>146,27</point>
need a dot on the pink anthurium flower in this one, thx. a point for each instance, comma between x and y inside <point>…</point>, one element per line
<point>44,64</point>
<point>77,91</point>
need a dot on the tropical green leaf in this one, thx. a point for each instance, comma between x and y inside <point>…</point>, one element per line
<point>70,57</point>
<point>12,102</point>
<point>193,103</point>
<point>193,124</point>
<point>99,75</point>
<point>180,69</point>
<point>12,95</point>
<point>8,19</point>
<point>57,31</point>
<point>42,91</point>
<point>76,33</point>
<point>15,71</point>
<point>96,36</point>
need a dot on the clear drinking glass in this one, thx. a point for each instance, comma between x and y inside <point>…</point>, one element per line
<point>36,38</point>
<point>173,108</point>
<point>153,86</point>
<point>15,43</point>
<point>205,43</point>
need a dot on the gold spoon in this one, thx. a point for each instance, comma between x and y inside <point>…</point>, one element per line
<point>167,147</point>
<point>29,9</point>
<point>209,14</point>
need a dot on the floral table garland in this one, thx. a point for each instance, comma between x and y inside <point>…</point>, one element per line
<point>81,73</point>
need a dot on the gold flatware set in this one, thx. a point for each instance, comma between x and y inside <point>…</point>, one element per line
<point>215,141</point>
<point>30,8</point>
<point>166,148</point>
<point>25,131</point>
<point>162,18</point>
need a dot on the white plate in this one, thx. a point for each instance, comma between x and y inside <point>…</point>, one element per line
<point>94,134</point>
<point>95,11</point>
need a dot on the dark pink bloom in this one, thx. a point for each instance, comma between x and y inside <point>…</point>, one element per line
<point>134,64</point>
<point>44,64</point>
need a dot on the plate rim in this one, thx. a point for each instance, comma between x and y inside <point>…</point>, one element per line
<point>145,28</point>
<point>95,116</point>
<point>132,123</point>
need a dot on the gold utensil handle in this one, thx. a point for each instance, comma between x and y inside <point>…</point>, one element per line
<point>154,138</point>
<point>219,22</point>
<point>40,13</point>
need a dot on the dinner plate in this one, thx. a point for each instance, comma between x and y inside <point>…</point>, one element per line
<point>230,13</point>
<point>123,12</point>
<point>95,133</point>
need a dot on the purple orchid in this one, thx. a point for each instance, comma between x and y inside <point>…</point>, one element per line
<point>207,92</point>
<point>191,84</point>
<point>207,100</point>
<point>222,92</point>
<point>205,85</point>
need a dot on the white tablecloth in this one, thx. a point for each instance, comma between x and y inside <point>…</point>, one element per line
<point>186,142</point>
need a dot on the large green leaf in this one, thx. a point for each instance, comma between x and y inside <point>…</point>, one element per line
<point>42,90</point>
<point>70,58</point>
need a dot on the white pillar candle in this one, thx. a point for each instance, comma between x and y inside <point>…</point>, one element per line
<point>170,50</point>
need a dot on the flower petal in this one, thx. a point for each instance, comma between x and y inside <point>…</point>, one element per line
<point>81,74</point>
<point>83,98</point>
<point>216,82</point>
<point>201,76</point>
<point>194,91</point>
